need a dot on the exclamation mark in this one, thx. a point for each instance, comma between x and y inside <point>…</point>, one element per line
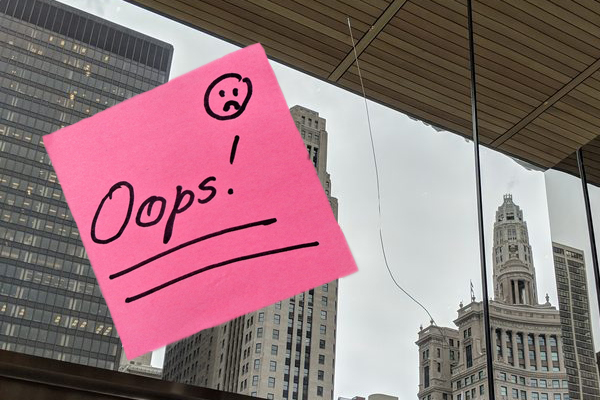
<point>232,155</point>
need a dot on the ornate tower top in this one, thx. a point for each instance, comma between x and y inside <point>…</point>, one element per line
<point>514,273</point>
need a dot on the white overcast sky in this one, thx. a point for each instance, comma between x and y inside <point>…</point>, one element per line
<point>429,213</point>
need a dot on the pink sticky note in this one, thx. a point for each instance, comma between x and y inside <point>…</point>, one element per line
<point>196,202</point>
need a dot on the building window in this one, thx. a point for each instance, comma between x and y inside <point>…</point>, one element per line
<point>515,393</point>
<point>271,382</point>
<point>273,366</point>
<point>323,329</point>
<point>321,344</point>
<point>469,356</point>
<point>275,334</point>
<point>259,332</point>
<point>323,314</point>
<point>255,380</point>
<point>426,376</point>
<point>535,396</point>
<point>503,390</point>
<point>277,319</point>
<point>439,353</point>
<point>523,395</point>
<point>320,375</point>
<point>261,316</point>
<point>320,391</point>
<point>258,347</point>
<point>270,396</point>
<point>321,359</point>
<point>439,367</point>
<point>324,301</point>
<point>326,287</point>
<point>257,363</point>
<point>274,350</point>
<point>481,390</point>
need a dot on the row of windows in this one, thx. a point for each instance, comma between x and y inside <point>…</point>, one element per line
<point>46,279</point>
<point>470,394</point>
<point>29,239</point>
<point>62,109</point>
<point>32,154</point>
<point>16,165</point>
<point>94,54</point>
<point>39,225</point>
<point>87,88</point>
<point>310,122</point>
<point>469,380</point>
<point>26,136</point>
<point>88,31</point>
<point>97,326</point>
<point>41,43</point>
<point>72,96</point>
<point>63,66</point>
<point>516,394</point>
<point>59,355</point>
<point>51,337</point>
<point>533,382</point>
<point>48,210</point>
<point>49,246</point>
<point>28,258</point>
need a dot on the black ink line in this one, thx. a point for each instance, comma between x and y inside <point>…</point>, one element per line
<point>217,265</point>
<point>191,242</point>
<point>233,149</point>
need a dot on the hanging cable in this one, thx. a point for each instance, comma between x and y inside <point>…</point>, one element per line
<point>379,191</point>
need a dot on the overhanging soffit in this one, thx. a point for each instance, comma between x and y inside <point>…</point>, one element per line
<point>538,62</point>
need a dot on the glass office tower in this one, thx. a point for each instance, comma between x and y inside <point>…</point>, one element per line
<point>58,65</point>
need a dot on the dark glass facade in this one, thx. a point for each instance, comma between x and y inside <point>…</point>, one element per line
<point>58,65</point>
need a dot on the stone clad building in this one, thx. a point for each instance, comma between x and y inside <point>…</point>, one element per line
<point>578,343</point>
<point>283,351</point>
<point>526,335</point>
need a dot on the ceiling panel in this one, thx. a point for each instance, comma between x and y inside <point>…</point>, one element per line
<point>536,61</point>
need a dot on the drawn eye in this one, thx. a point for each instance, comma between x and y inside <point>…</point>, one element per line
<point>222,93</point>
<point>235,92</point>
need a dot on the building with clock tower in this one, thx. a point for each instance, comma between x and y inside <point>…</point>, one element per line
<point>526,334</point>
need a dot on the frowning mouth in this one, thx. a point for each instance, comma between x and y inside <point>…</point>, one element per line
<point>231,103</point>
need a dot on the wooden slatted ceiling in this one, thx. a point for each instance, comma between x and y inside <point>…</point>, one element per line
<point>537,61</point>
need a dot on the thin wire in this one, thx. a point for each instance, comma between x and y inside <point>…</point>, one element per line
<point>378,188</point>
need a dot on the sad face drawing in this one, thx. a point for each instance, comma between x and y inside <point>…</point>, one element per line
<point>227,96</point>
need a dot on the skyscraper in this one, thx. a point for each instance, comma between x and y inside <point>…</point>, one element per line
<point>526,336</point>
<point>284,351</point>
<point>578,344</point>
<point>57,66</point>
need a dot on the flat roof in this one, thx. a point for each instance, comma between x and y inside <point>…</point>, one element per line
<point>537,62</point>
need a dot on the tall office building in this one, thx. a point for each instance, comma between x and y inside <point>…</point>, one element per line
<point>578,343</point>
<point>284,351</point>
<point>526,336</point>
<point>58,65</point>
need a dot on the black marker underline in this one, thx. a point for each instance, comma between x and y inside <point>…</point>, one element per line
<point>191,242</point>
<point>217,265</point>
